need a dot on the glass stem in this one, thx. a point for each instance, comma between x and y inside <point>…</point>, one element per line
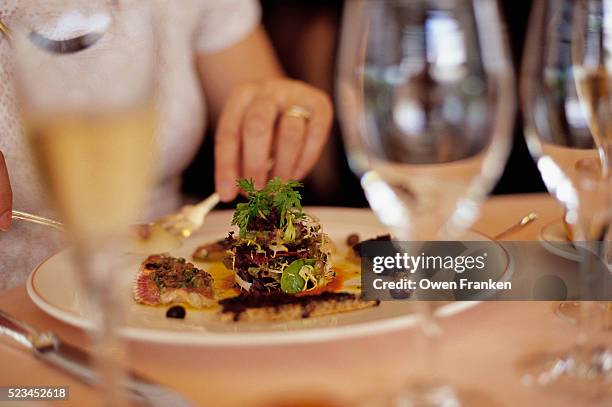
<point>593,279</point>
<point>605,154</point>
<point>95,264</point>
<point>431,340</point>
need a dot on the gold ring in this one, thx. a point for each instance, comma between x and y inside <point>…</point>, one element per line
<point>298,112</point>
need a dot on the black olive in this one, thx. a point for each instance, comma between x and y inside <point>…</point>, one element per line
<point>352,239</point>
<point>176,312</point>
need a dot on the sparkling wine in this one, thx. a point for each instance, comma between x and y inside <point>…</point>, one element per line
<point>593,86</point>
<point>97,167</point>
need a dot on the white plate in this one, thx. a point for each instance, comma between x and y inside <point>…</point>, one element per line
<point>54,288</point>
<point>553,238</point>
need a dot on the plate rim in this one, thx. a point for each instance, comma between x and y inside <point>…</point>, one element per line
<point>255,339</point>
<point>553,248</point>
<point>314,335</point>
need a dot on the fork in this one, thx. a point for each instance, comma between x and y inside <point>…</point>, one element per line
<point>180,224</point>
<point>188,219</point>
<point>39,220</point>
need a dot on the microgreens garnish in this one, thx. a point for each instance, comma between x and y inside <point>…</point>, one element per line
<point>277,195</point>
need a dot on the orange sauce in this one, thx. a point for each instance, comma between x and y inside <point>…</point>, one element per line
<point>224,280</point>
<point>334,285</point>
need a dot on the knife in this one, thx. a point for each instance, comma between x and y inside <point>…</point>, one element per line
<point>47,347</point>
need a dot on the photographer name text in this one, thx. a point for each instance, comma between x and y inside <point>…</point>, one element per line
<point>426,284</point>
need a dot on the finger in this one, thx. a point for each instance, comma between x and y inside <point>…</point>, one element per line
<point>6,196</point>
<point>227,143</point>
<point>317,133</point>
<point>290,134</point>
<point>257,133</point>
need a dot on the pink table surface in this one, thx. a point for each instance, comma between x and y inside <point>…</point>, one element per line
<point>479,349</point>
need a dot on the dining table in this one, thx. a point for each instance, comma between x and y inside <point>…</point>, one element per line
<point>479,350</point>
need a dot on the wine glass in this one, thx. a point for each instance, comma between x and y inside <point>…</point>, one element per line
<point>592,66</point>
<point>426,103</point>
<point>591,47</point>
<point>589,52</point>
<point>565,103</point>
<point>86,74</point>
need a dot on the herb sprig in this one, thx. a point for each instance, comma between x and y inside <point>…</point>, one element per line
<point>277,195</point>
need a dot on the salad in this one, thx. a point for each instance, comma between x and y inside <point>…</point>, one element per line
<point>279,247</point>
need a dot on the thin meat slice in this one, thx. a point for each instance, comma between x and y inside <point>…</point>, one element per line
<point>164,279</point>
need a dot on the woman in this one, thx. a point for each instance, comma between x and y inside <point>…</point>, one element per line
<point>214,58</point>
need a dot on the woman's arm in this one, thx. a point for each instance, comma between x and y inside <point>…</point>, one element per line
<point>248,97</point>
<point>250,60</point>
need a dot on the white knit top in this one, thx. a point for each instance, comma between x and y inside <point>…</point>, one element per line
<point>189,27</point>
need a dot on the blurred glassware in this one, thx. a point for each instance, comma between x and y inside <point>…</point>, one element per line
<point>590,54</point>
<point>426,102</point>
<point>86,77</point>
<point>565,100</point>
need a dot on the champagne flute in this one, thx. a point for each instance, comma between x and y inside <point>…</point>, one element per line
<point>592,66</point>
<point>565,102</point>
<point>585,64</point>
<point>86,75</point>
<point>591,53</point>
<point>426,103</point>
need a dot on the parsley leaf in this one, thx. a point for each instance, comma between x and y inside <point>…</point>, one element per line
<point>277,196</point>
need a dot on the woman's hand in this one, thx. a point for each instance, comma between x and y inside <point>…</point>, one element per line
<point>257,138</point>
<point>6,196</point>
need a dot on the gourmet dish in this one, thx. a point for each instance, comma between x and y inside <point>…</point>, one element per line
<point>164,279</point>
<point>276,266</point>
<point>279,248</point>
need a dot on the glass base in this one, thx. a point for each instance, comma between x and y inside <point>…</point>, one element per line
<point>584,372</point>
<point>607,316</point>
<point>424,394</point>
<point>570,311</point>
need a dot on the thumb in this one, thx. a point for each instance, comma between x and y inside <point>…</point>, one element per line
<point>6,196</point>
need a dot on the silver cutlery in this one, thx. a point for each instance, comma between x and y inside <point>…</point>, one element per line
<point>525,220</point>
<point>39,220</point>
<point>189,218</point>
<point>47,347</point>
<point>180,224</point>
